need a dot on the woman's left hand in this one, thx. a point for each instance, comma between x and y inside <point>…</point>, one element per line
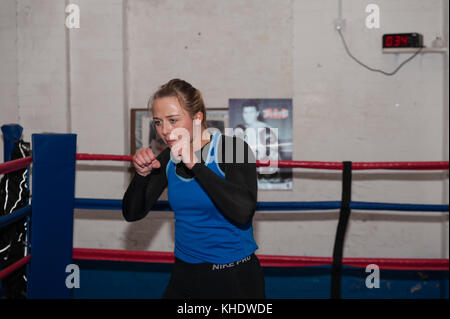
<point>181,151</point>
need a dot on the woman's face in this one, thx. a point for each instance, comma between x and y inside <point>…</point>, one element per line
<point>168,115</point>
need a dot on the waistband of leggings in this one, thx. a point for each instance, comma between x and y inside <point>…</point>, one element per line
<point>213,266</point>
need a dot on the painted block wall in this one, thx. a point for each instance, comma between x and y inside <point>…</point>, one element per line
<point>86,80</point>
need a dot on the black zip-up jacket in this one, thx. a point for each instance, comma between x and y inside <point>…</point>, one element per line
<point>235,196</point>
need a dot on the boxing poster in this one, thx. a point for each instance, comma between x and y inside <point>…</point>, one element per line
<point>266,125</point>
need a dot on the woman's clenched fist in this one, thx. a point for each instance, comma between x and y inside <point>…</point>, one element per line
<point>144,161</point>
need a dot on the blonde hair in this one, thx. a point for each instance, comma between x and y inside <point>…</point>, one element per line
<point>189,97</point>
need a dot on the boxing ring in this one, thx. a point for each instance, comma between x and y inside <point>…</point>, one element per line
<point>109,273</point>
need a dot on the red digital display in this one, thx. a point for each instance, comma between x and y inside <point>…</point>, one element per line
<point>402,40</point>
<point>396,41</point>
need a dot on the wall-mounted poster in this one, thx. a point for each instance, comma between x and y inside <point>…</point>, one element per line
<point>267,127</point>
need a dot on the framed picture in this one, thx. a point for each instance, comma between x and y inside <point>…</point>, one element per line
<point>268,130</point>
<point>143,132</point>
<point>140,129</point>
<point>217,118</point>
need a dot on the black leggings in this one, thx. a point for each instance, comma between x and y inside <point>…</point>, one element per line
<point>241,279</point>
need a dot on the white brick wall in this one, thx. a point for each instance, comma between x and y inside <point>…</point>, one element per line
<point>8,65</point>
<point>41,66</point>
<point>232,49</point>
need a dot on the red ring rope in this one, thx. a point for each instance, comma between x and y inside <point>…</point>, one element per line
<point>15,165</point>
<point>8,270</point>
<point>266,260</point>
<point>24,162</point>
<point>103,157</point>
<point>303,164</point>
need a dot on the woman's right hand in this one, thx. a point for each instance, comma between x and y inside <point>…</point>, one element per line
<point>144,161</point>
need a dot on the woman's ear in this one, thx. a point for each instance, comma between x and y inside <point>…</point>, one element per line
<point>198,116</point>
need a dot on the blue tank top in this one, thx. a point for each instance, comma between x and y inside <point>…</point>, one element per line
<point>202,233</point>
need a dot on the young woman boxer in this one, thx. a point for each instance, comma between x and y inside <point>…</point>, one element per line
<point>213,197</point>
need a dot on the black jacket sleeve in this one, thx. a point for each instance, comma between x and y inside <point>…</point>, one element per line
<point>143,192</point>
<point>236,195</point>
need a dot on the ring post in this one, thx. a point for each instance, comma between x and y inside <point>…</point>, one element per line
<point>53,185</point>
<point>11,133</point>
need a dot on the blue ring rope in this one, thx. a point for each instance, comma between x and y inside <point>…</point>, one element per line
<point>116,204</point>
<point>16,215</point>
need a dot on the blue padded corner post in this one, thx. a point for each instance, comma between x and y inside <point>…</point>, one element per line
<point>53,186</point>
<point>11,133</point>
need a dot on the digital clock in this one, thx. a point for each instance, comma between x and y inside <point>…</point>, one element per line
<point>402,40</point>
